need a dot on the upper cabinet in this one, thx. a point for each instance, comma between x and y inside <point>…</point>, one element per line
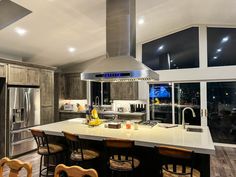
<point>75,88</point>
<point>33,76</point>
<point>2,70</point>
<point>21,75</point>
<point>47,87</point>
<point>17,75</point>
<point>124,90</point>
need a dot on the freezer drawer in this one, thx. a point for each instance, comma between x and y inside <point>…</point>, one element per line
<point>18,135</point>
<point>22,146</point>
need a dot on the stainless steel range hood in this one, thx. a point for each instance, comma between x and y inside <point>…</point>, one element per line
<point>10,12</point>
<point>120,65</point>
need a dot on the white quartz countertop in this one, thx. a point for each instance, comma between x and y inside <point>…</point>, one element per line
<point>144,136</point>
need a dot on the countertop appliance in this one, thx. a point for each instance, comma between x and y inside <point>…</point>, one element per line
<point>24,113</point>
<point>120,64</point>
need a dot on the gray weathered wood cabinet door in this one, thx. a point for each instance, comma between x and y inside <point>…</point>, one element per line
<point>124,90</point>
<point>33,76</point>
<point>47,115</point>
<point>47,87</point>
<point>47,96</point>
<point>17,75</point>
<point>2,70</point>
<point>75,88</point>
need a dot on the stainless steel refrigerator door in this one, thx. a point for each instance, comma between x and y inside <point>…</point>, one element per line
<point>24,107</point>
<point>16,108</point>
<point>32,106</point>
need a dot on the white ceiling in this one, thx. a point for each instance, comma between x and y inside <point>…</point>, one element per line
<point>56,25</point>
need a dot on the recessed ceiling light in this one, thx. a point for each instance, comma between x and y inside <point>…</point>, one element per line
<point>20,31</point>
<point>141,21</point>
<point>219,50</point>
<point>71,49</point>
<point>215,57</point>
<point>161,47</point>
<point>225,39</point>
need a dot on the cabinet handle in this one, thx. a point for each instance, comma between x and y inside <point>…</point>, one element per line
<point>201,112</point>
<point>206,113</point>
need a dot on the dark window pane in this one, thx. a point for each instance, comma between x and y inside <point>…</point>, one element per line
<point>96,92</point>
<point>106,94</point>
<point>175,51</point>
<point>160,102</point>
<point>221,46</point>
<point>187,95</point>
<point>221,105</point>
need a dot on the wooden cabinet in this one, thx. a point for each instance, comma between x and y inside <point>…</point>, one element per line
<point>21,75</point>
<point>32,76</point>
<point>17,75</point>
<point>2,70</point>
<point>47,96</point>
<point>47,115</point>
<point>66,116</point>
<point>75,88</point>
<point>124,90</point>
<point>47,87</point>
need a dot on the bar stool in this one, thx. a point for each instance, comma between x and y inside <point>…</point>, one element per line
<point>120,156</point>
<point>174,162</point>
<point>46,150</point>
<point>78,153</point>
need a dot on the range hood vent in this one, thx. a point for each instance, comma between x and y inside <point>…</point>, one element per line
<point>120,65</point>
<point>10,12</point>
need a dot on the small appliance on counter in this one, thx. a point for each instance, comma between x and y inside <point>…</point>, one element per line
<point>137,107</point>
<point>120,109</point>
<point>68,107</point>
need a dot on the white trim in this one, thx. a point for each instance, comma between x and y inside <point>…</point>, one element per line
<point>225,145</point>
<point>203,100</point>
<point>202,46</point>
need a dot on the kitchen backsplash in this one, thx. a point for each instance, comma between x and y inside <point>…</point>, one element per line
<point>73,102</point>
<point>125,104</point>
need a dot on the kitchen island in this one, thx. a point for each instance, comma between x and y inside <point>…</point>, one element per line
<point>145,138</point>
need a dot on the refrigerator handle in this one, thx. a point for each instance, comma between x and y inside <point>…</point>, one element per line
<point>27,108</point>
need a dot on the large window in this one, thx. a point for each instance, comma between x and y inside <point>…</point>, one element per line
<point>160,98</point>
<point>187,95</point>
<point>221,105</point>
<point>221,44</point>
<point>163,107</point>
<point>100,93</point>
<point>176,51</point>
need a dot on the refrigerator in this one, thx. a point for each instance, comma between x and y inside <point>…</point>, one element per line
<point>24,113</point>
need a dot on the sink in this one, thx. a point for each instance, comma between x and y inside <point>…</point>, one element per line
<point>194,129</point>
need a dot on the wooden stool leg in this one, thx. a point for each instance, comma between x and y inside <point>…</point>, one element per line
<point>40,168</point>
<point>47,163</point>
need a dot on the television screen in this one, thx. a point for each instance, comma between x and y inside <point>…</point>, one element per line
<point>159,91</point>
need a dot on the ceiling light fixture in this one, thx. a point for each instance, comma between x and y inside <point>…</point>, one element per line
<point>141,21</point>
<point>161,47</point>
<point>225,39</point>
<point>71,49</point>
<point>215,57</point>
<point>20,31</point>
<point>219,50</point>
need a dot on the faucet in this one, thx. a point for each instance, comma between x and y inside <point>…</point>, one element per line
<point>183,119</point>
<point>97,101</point>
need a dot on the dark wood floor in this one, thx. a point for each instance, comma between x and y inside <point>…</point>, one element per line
<point>223,163</point>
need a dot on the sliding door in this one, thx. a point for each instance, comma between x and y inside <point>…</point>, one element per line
<point>167,101</point>
<point>221,105</point>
